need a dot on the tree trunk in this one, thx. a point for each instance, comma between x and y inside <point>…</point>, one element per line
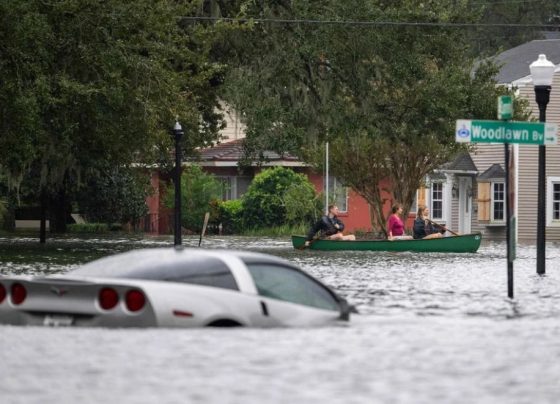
<point>59,210</point>
<point>43,225</point>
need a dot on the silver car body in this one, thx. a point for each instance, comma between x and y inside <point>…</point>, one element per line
<point>253,289</point>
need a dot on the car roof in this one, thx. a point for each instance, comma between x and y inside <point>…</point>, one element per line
<point>162,260</point>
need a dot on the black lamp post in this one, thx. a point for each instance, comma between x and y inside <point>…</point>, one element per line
<point>542,72</point>
<point>178,133</point>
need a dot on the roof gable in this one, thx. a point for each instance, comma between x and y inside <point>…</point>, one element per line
<point>515,61</point>
<point>495,171</point>
<point>463,162</point>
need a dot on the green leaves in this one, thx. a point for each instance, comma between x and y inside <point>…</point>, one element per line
<point>89,83</point>
<point>385,96</point>
<point>115,196</point>
<point>279,196</point>
<point>200,192</point>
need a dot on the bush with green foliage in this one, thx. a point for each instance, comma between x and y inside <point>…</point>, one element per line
<point>279,196</point>
<point>277,231</point>
<point>88,228</point>
<point>200,192</point>
<point>230,216</point>
<point>116,195</point>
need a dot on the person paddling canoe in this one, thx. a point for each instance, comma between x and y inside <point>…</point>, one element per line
<point>424,227</point>
<point>330,226</point>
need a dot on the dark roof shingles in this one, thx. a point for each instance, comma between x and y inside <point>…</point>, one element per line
<point>233,151</point>
<point>514,63</point>
<point>494,171</point>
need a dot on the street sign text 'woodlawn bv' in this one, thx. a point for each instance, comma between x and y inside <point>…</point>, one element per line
<point>531,133</point>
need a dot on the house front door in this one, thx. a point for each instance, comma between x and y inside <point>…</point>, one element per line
<point>465,204</point>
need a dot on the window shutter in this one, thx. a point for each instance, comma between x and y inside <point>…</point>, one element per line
<point>484,201</point>
<point>421,199</point>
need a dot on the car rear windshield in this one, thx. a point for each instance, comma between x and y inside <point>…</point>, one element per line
<point>207,271</point>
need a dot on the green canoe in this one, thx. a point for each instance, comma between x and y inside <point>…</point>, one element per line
<point>456,244</point>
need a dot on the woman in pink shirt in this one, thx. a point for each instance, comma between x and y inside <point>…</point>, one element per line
<point>395,225</point>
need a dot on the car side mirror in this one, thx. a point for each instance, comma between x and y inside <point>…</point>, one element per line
<point>346,309</point>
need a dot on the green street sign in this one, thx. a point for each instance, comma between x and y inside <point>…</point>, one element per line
<point>530,133</point>
<point>505,107</point>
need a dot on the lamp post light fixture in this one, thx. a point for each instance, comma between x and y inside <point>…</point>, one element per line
<point>542,72</point>
<point>178,133</point>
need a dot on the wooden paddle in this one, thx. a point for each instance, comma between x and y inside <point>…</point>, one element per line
<point>443,227</point>
<point>206,217</point>
<point>303,246</point>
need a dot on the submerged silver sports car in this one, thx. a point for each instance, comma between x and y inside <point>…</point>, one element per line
<point>168,287</point>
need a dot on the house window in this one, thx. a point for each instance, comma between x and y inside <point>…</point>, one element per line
<point>242,186</point>
<point>553,201</point>
<point>233,187</point>
<point>338,194</point>
<point>437,200</point>
<point>556,201</point>
<point>498,201</point>
<point>226,187</point>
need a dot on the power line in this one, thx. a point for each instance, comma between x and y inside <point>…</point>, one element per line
<point>373,23</point>
<point>491,3</point>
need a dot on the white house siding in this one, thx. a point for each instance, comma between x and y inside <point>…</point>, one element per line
<point>454,214</point>
<point>527,171</point>
<point>483,156</point>
<point>234,129</point>
<point>528,167</point>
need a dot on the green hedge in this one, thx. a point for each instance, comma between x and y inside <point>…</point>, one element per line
<point>230,216</point>
<point>279,196</point>
<point>88,228</point>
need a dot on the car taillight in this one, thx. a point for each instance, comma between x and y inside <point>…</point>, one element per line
<point>108,298</point>
<point>2,293</point>
<point>18,293</point>
<point>135,300</point>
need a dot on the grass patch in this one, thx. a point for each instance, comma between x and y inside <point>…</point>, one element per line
<point>278,231</point>
<point>88,228</point>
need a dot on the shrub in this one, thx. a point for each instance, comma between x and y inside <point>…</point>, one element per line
<point>115,227</point>
<point>300,207</point>
<point>276,197</point>
<point>230,216</point>
<point>277,231</point>
<point>88,228</point>
<point>200,192</point>
<point>115,195</point>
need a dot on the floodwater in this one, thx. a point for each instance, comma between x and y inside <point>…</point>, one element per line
<point>432,328</point>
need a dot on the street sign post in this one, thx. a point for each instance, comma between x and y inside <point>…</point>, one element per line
<point>529,133</point>
<point>511,196</point>
<point>506,132</point>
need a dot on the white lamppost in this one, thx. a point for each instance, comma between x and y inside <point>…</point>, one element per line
<point>542,72</point>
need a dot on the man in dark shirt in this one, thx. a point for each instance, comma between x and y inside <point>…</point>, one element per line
<point>330,226</point>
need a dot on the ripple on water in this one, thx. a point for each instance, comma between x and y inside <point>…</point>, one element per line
<point>433,328</point>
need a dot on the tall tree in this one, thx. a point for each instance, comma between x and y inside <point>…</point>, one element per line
<point>91,83</point>
<point>386,96</point>
<point>511,23</point>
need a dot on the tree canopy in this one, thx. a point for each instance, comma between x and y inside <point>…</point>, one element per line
<point>386,96</point>
<point>530,15</point>
<point>89,83</point>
